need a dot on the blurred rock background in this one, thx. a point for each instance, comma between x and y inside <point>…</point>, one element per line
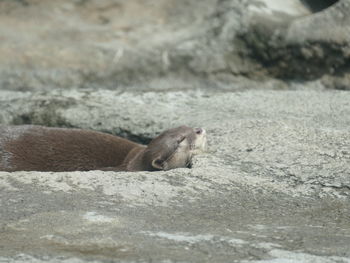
<point>172,44</point>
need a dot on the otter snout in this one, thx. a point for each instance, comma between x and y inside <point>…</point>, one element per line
<point>199,131</point>
<point>200,140</point>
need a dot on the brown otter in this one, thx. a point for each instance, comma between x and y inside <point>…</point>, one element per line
<point>38,148</point>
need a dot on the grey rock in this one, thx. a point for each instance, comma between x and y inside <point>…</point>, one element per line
<point>301,47</point>
<point>92,44</point>
<point>274,185</point>
<point>88,44</point>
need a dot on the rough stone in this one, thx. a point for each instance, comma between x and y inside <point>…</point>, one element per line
<point>110,43</point>
<point>274,185</point>
<point>301,47</point>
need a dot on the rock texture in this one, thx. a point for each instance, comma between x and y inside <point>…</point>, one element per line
<point>275,183</point>
<point>110,43</point>
<point>306,48</point>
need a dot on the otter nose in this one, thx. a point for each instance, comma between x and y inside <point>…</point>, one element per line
<point>198,130</point>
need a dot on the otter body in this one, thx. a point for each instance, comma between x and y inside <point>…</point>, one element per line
<point>38,148</point>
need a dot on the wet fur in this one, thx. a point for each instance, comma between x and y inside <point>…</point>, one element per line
<point>37,148</point>
<point>57,149</point>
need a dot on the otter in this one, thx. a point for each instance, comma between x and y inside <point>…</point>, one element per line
<point>39,148</point>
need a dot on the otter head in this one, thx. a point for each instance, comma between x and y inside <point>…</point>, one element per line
<point>174,148</point>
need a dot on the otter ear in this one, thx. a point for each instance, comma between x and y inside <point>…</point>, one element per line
<point>158,163</point>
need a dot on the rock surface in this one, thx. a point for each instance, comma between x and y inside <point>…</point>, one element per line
<point>110,43</point>
<point>275,183</point>
<point>309,47</point>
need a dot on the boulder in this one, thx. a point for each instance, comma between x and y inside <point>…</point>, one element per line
<point>211,43</point>
<point>274,183</point>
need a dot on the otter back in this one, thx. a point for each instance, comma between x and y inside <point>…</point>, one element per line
<point>36,148</point>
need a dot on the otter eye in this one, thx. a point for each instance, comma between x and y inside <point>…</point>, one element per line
<point>198,131</point>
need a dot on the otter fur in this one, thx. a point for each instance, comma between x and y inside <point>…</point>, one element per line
<point>38,148</point>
